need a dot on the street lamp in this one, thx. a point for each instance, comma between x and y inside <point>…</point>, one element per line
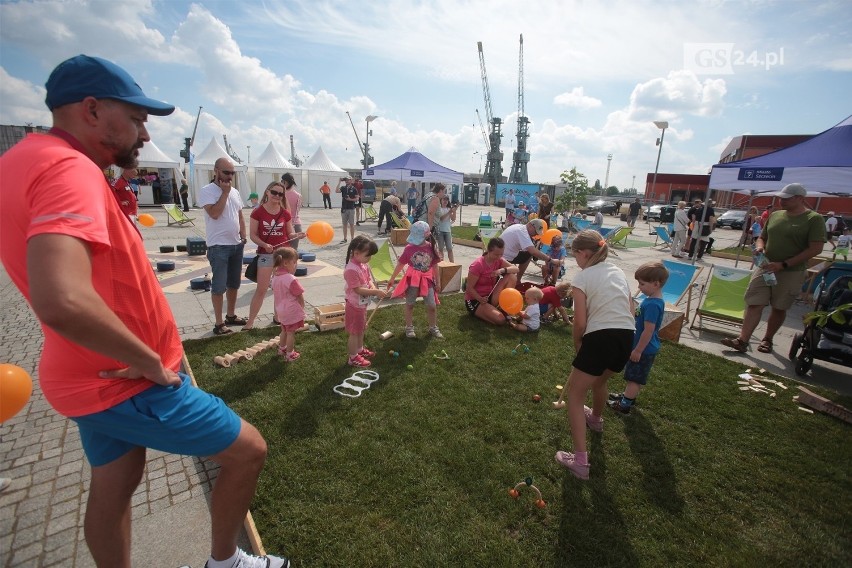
<point>606,179</point>
<point>480,160</point>
<point>662,125</point>
<point>367,159</point>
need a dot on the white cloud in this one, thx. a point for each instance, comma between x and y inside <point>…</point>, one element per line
<point>679,93</point>
<point>575,98</point>
<point>18,97</point>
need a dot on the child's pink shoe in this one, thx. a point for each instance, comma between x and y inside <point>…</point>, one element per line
<point>366,353</point>
<point>569,461</point>
<point>292,356</point>
<point>595,423</point>
<point>358,361</point>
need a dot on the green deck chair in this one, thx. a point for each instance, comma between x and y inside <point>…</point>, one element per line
<point>723,297</point>
<point>618,236</point>
<point>381,263</point>
<point>177,216</point>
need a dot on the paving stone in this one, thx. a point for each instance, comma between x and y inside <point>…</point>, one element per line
<point>61,523</point>
<point>26,555</point>
<point>60,556</point>
<point>27,536</point>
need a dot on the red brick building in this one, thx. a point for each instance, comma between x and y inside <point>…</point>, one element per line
<point>671,188</point>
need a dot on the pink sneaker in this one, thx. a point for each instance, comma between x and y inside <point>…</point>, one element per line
<point>595,423</point>
<point>292,356</point>
<point>569,461</point>
<point>358,361</point>
<point>366,353</point>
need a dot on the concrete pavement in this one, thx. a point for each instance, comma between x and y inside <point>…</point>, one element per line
<point>41,513</point>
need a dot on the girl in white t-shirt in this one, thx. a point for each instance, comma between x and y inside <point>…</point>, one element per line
<point>603,338</point>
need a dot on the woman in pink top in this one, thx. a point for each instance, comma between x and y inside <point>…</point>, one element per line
<point>294,204</point>
<point>270,227</point>
<point>487,276</point>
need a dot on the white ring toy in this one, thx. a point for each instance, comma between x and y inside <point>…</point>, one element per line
<point>362,377</point>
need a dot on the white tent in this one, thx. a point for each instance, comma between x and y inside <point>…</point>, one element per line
<point>318,169</point>
<point>202,171</point>
<point>269,167</point>
<point>153,160</point>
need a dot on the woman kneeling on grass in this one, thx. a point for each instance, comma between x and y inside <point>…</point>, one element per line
<point>487,276</point>
<point>603,338</point>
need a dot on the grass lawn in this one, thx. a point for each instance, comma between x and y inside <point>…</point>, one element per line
<point>415,472</point>
<point>461,232</point>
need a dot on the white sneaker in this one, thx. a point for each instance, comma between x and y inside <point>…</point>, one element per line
<point>436,333</point>
<point>246,560</point>
<point>409,332</point>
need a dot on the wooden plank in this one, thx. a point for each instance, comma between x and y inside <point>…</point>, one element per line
<point>813,400</point>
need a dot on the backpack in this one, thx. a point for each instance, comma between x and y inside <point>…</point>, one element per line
<point>420,212</point>
<point>840,226</point>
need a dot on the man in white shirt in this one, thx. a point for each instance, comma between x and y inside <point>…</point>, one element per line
<point>226,236</point>
<point>519,247</point>
<point>830,228</point>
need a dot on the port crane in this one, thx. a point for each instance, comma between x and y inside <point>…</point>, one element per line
<point>520,157</point>
<point>494,158</point>
<point>188,142</point>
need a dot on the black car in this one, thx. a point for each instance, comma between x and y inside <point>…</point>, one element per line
<point>605,207</point>
<point>733,218</point>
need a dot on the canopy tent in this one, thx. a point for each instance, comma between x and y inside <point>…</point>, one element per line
<point>201,171</point>
<point>318,169</point>
<point>269,167</point>
<point>823,164</point>
<point>413,166</point>
<point>153,160</point>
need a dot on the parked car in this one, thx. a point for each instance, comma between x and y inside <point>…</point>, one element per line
<point>733,218</point>
<point>660,213</point>
<point>602,205</point>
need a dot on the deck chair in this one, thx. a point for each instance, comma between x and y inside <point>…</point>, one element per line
<point>370,213</point>
<point>177,216</point>
<point>383,263</point>
<point>400,222</point>
<point>663,235</point>
<point>486,234</point>
<point>485,221</point>
<point>722,297</point>
<point>618,236</point>
<point>681,277</point>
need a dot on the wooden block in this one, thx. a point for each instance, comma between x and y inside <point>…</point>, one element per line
<point>824,405</point>
<point>398,236</point>
<point>330,316</point>
<point>448,276</point>
<point>673,321</point>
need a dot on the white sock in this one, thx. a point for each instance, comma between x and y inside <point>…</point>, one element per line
<point>227,563</point>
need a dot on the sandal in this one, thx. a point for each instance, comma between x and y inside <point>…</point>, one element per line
<point>765,346</point>
<point>235,320</point>
<point>221,329</point>
<point>736,344</point>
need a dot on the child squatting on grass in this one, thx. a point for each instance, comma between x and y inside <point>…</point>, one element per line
<point>651,276</point>
<point>603,338</point>
<point>531,316</point>
<point>359,288</point>
<point>419,280</point>
<point>551,302</point>
<point>289,301</point>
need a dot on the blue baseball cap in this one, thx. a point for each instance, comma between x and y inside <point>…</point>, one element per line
<point>83,76</point>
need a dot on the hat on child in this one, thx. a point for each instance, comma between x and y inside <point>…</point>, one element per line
<point>417,233</point>
<point>252,195</point>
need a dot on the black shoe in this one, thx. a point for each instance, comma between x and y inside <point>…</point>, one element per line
<point>615,396</point>
<point>221,329</point>
<point>618,407</point>
<point>235,320</point>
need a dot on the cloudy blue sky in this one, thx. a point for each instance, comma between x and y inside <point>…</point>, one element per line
<point>597,74</point>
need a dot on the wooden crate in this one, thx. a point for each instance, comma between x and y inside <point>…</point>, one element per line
<point>399,237</point>
<point>329,317</point>
<point>673,321</point>
<point>448,277</point>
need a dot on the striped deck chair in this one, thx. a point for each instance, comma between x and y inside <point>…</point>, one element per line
<point>383,263</point>
<point>723,297</point>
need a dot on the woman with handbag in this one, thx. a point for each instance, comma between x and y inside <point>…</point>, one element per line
<point>705,222</point>
<point>270,227</point>
<point>679,230</point>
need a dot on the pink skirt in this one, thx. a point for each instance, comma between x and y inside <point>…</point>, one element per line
<point>355,319</point>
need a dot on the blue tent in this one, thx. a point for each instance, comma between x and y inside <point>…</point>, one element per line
<point>413,166</point>
<point>823,164</point>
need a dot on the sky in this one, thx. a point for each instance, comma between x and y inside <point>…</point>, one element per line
<point>596,75</point>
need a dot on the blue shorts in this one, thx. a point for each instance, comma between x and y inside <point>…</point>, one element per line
<point>179,420</point>
<point>638,372</point>
<point>226,263</point>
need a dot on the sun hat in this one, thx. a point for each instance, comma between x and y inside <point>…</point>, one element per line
<point>791,190</point>
<point>538,225</point>
<point>252,195</point>
<point>417,233</point>
<point>82,76</point>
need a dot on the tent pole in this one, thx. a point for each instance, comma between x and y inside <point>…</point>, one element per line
<point>739,249</point>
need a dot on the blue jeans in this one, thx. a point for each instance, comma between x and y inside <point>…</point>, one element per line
<point>226,262</point>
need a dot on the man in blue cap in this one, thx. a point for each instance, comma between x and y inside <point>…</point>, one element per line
<point>111,347</point>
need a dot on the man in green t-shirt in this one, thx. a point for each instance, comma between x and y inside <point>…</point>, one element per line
<point>793,235</point>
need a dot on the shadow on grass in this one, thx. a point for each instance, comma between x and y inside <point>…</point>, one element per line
<point>660,480</point>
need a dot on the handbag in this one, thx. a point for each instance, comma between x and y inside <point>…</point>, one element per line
<point>251,269</point>
<point>706,230</point>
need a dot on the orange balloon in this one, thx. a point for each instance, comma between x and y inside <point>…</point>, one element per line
<point>320,233</point>
<point>16,386</point>
<point>147,219</point>
<point>511,301</point>
<point>547,236</point>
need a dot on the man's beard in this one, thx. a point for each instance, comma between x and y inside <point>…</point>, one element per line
<point>128,159</point>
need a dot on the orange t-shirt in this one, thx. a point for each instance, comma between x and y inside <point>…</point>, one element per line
<point>46,186</point>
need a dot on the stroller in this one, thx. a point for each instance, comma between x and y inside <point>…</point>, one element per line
<point>829,340</point>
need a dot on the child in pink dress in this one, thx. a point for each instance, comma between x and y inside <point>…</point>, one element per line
<point>359,288</point>
<point>289,301</point>
<point>419,280</point>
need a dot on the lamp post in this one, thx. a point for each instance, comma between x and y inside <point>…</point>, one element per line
<point>662,125</point>
<point>606,179</point>
<point>248,154</point>
<point>369,119</point>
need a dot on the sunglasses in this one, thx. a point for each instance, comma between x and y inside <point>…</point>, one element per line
<point>228,172</point>
<point>277,193</point>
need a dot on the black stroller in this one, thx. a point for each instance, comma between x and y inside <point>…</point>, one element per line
<point>831,339</point>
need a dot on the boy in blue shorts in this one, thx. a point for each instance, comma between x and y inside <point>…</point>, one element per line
<point>651,276</point>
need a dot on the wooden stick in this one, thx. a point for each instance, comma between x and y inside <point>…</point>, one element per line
<point>813,400</point>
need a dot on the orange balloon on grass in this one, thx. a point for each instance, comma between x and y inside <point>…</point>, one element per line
<point>511,301</point>
<point>547,236</point>
<point>320,233</point>
<point>147,219</point>
<point>16,387</point>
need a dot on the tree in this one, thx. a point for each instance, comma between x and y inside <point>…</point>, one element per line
<point>578,189</point>
<point>598,187</point>
<point>612,190</point>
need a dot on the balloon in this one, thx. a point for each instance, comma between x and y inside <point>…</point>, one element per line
<point>16,386</point>
<point>147,219</point>
<point>320,233</point>
<point>532,216</point>
<point>511,301</point>
<point>547,236</point>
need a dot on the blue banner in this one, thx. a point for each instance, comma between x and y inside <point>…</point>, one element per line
<point>416,173</point>
<point>370,172</point>
<point>761,174</point>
